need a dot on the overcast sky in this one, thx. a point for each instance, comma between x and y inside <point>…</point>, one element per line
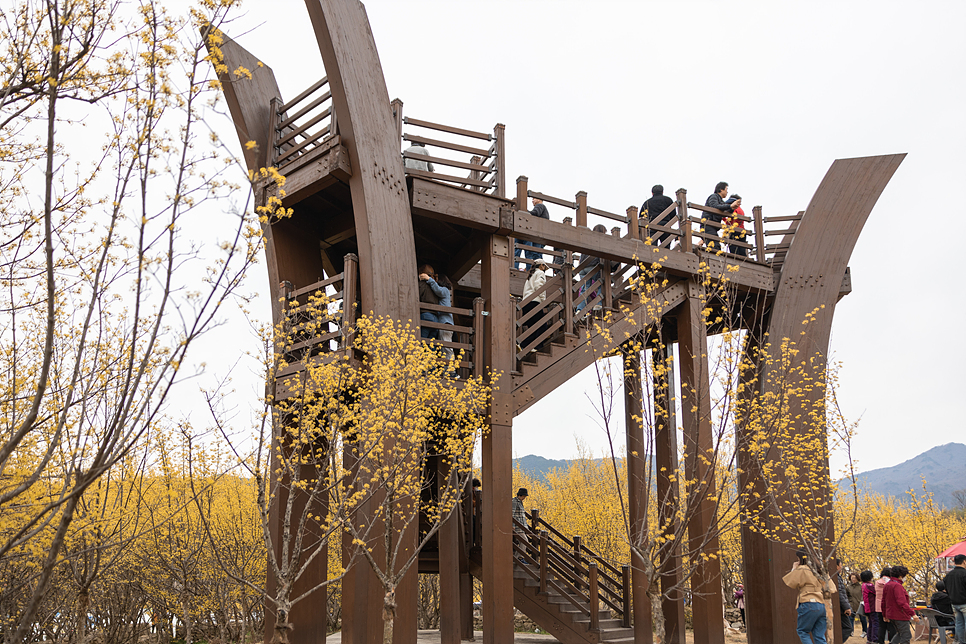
<point>612,97</point>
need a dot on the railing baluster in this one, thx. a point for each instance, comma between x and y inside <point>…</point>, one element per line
<point>535,520</point>
<point>272,132</point>
<point>759,234</point>
<point>478,336</point>
<point>568,292</point>
<point>581,209</point>
<point>607,278</point>
<point>397,116</point>
<point>543,562</point>
<point>683,224</point>
<point>633,226</point>
<point>498,131</point>
<point>594,600</point>
<point>577,560</point>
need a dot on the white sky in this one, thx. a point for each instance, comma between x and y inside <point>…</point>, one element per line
<point>612,97</point>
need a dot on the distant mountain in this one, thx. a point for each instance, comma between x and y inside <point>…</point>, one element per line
<point>943,467</point>
<point>538,467</point>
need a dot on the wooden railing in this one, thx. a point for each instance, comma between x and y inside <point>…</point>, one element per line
<point>317,319</point>
<point>565,565</point>
<point>457,150</point>
<point>680,229</point>
<point>301,125</point>
<point>466,344</point>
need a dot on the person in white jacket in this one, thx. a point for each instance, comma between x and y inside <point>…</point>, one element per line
<point>535,282</point>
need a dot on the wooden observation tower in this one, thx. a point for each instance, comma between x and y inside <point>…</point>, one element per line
<point>361,219</point>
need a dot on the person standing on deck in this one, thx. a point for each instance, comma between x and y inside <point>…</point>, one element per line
<point>654,206</point>
<point>442,287</point>
<point>735,228</point>
<point>539,210</point>
<point>427,296</point>
<point>716,201</point>
<point>416,164</point>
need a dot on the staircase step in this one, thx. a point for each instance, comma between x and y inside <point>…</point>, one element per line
<point>617,635</point>
<point>610,623</point>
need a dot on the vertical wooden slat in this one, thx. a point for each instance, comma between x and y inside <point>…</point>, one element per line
<point>535,520</point>
<point>626,595</point>
<point>476,175</point>
<point>567,273</point>
<point>478,337</point>
<point>607,278</point>
<point>683,224</point>
<point>577,576</point>
<point>498,132</point>
<point>594,599</point>
<point>759,234</point>
<point>272,131</point>
<point>350,295</point>
<point>543,562</point>
<point>633,227</point>
<point>581,209</point>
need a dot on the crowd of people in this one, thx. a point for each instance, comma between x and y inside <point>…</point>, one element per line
<point>882,605</point>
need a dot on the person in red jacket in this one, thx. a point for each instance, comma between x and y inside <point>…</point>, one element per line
<point>896,611</point>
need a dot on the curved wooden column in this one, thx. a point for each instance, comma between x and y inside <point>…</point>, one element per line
<point>811,278</point>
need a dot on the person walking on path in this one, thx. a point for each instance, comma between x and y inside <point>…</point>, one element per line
<point>739,598</point>
<point>955,581</point>
<point>845,606</point>
<point>896,611</point>
<point>884,578</point>
<point>811,601</point>
<point>868,606</point>
<point>539,210</point>
<point>854,590</point>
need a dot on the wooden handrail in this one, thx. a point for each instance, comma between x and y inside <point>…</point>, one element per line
<point>554,200</point>
<point>608,215</point>
<point>715,211</point>
<point>484,170</point>
<point>301,96</point>
<point>447,128</point>
<point>438,308</point>
<point>305,110</point>
<point>446,145</point>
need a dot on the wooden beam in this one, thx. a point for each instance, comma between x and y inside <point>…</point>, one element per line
<point>707,613</point>
<point>497,447</point>
<point>637,490</point>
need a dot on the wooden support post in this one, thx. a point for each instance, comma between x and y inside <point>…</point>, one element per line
<point>476,175</point>
<point>759,234</point>
<point>544,549</point>
<point>607,281</point>
<point>683,224</point>
<point>666,466</point>
<point>449,566</point>
<point>535,520</point>
<point>594,599</point>
<point>707,613</point>
<point>497,446</point>
<point>397,115</point>
<point>522,192</point>
<point>633,226</point>
<point>637,492</point>
<point>581,209</point>
<point>466,605</point>
<point>577,558</point>
<point>498,132</point>
<point>626,606</point>
<point>616,231</point>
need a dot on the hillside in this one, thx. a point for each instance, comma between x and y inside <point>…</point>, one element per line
<point>943,467</point>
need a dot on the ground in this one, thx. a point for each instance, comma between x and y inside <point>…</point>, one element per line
<point>432,637</point>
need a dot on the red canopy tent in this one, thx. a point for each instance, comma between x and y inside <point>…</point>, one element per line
<point>944,560</point>
<point>952,551</point>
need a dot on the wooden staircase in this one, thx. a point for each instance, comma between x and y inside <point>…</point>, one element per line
<point>566,589</point>
<point>543,370</point>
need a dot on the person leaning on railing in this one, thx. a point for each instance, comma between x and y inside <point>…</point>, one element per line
<point>658,203</point>
<point>717,201</point>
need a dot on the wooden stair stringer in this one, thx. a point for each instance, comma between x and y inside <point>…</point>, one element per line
<point>532,386</point>
<point>547,614</point>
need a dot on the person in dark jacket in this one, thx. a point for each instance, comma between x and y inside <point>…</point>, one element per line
<point>717,201</point>
<point>845,607</point>
<point>539,210</point>
<point>896,611</point>
<point>940,601</point>
<point>654,206</point>
<point>955,581</point>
